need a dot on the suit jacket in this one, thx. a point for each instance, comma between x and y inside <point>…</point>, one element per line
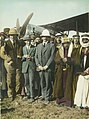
<point>45,55</point>
<point>28,63</point>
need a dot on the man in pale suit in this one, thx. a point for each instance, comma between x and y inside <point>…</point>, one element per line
<point>28,67</point>
<point>44,57</point>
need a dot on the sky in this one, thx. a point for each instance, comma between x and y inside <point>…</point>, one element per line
<point>45,11</point>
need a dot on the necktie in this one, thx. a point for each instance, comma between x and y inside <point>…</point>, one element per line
<point>44,44</point>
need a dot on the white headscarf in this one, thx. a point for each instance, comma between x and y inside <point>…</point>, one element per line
<point>81,42</point>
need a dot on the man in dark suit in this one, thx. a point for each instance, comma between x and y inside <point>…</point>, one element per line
<point>28,67</point>
<point>44,57</point>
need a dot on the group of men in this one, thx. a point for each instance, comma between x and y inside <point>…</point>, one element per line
<point>53,66</point>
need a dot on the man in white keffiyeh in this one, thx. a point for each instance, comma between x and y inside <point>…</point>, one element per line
<point>82,93</point>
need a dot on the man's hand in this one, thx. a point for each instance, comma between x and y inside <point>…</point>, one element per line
<point>28,58</point>
<point>64,59</point>
<point>9,63</point>
<point>45,67</point>
<point>87,71</point>
<point>40,68</point>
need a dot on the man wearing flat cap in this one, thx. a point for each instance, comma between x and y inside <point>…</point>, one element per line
<point>28,67</point>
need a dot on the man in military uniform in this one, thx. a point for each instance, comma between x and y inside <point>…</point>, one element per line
<point>9,53</point>
<point>2,73</point>
<point>2,67</point>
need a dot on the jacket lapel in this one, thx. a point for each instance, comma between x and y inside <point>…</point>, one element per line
<point>31,51</point>
<point>46,48</point>
<point>41,49</point>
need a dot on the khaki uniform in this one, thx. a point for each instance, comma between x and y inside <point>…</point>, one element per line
<point>2,72</point>
<point>3,92</point>
<point>10,54</point>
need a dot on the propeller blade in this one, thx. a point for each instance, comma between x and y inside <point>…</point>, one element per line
<point>18,25</point>
<point>23,28</point>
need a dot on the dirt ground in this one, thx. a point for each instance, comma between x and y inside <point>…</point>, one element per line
<point>20,109</point>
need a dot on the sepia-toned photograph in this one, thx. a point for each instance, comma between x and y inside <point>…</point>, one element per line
<point>44,59</point>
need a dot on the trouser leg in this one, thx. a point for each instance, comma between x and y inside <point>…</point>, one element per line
<point>18,81</point>
<point>31,82</point>
<point>27,89</point>
<point>11,81</point>
<point>48,88</point>
<point>18,76</point>
<point>42,84</point>
<point>22,85</point>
